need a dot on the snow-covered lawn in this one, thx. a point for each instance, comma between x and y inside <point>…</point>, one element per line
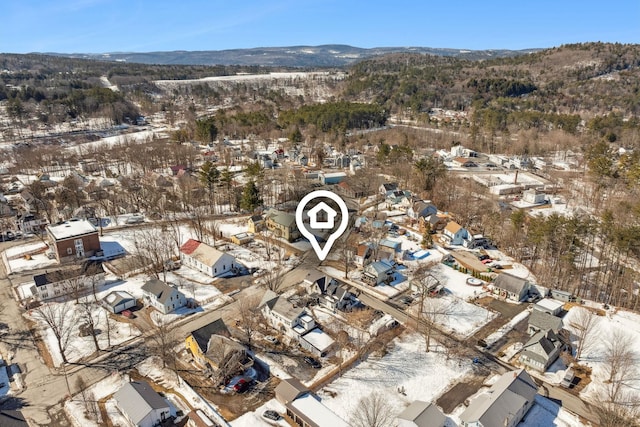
<point>27,257</point>
<point>547,413</point>
<point>75,407</point>
<point>79,347</point>
<point>255,419</point>
<point>617,326</point>
<point>422,376</point>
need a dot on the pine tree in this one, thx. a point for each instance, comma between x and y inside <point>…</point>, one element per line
<point>250,197</point>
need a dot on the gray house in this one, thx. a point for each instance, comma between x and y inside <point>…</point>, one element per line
<point>511,287</point>
<point>377,272</point>
<point>421,414</point>
<point>164,297</point>
<point>504,404</point>
<point>542,350</point>
<point>422,209</point>
<point>141,405</point>
<point>541,321</point>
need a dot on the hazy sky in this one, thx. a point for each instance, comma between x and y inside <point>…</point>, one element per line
<point>96,26</point>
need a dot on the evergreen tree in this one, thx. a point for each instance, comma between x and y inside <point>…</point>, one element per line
<point>208,176</point>
<point>250,197</point>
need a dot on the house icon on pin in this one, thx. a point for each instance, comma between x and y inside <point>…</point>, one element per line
<point>321,216</point>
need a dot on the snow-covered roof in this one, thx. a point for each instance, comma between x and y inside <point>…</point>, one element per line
<point>71,228</point>
<point>549,304</point>
<point>309,407</point>
<point>317,338</point>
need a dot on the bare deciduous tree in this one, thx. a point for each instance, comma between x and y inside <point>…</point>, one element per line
<point>153,251</point>
<point>162,341</point>
<point>59,317</point>
<point>87,319</point>
<point>584,321</point>
<point>272,277</point>
<point>619,364</point>
<point>432,311</point>
<point>373,410</point>
<point>249,317</point>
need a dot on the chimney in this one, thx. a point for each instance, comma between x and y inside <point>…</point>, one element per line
<point>515,180</point>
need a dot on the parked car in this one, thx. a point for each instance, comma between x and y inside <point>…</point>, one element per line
<point>271,415</point>
<point>313,362</point>
<point>272,339</point>
<point>487,261</point>
<point>241,385</point>
<point>483,257</point>
<point>406,300</point>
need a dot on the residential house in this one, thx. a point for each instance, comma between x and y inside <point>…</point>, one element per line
<point>377,272</point>
<point>363,255</point>
<point>350,190</point>
<point>304,407</point>
<point>541,321</point>
<point>29,223</point>
<point>435,222</point>
<point>74,239</point>
<point>141,404</point>
<point>387,188</point>
<point>504,404</point>
<point>463,162</point>
<point>295,323</point>
<point>61,285</point>
<point>210,261</point>
<point>533,196</point>
<point>454,233</point>
<point>391,246</point>
<point>421,414</point>
<point>511,287</point>
<point>330,293</point>
<point>119,301</point>
<point>212,348</point>
<point>399,199</point>
<point>255,223</point>
<point>162,296</point>
<point>542,349</point>
<point>422,209</point>
<point>282,224</point>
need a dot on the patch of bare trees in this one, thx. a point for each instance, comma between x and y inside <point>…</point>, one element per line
<point>373,410</point>
<point>61,320</point>
<point>584,322</point>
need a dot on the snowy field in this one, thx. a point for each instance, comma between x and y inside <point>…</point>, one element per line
<point>75,407</point>
<point>423,376</point>
<point>614,327</point>
<point>79,347</point>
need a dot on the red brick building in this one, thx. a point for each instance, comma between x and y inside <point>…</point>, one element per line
<point>74,239</point>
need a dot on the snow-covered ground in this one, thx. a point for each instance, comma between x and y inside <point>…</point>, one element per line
<point>615,326</point>
<point>255,419</point>
<point>75,407</point>
<point>406,367</point>
<point>79,347</point>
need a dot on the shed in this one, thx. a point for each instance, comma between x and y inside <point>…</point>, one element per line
<point>119,301</point>
<point>242,238</point>
<point>549,306</point>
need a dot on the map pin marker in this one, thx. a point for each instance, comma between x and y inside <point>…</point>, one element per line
<point>316,224</point>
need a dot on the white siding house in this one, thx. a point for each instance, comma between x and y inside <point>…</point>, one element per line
<point>210,261</point>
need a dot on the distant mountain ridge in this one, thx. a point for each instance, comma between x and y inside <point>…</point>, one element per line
<point>291,56</point>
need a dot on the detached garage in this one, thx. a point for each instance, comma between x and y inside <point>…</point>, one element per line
<point>119,301</point>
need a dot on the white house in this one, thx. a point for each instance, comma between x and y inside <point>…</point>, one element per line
<point>141,404</point>
<point>283,316</point>
<point>377,272</point>
<point>165,298</point>
<point>455,234</point>
<point>212,262</point>
<point>67,284</point>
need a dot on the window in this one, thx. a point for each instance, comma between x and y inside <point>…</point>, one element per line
<point>215,270</point>
<point>69,251</point>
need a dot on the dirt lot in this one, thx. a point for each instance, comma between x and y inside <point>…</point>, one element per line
<point>459,393</point>
<point>507,312</point>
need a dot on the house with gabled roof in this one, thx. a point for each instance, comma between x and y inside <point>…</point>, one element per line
<point>511,287</point>
<point>212,348</point>
<point>421,414</point>
<point>163,297</point>
<point>305,408</point>
<point>542,349</point>
<point>331,294</point>
<point>208,260</point>
<point>282,224</point>
<point>541,321</point>
<point>363,255</point>
<point>454,233</point>
<point>388,188</point>
<point>141,404</point>
<point>377,272</point>
<point>504,404</point>
<point>422,209</point>
<point>61,285</point>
